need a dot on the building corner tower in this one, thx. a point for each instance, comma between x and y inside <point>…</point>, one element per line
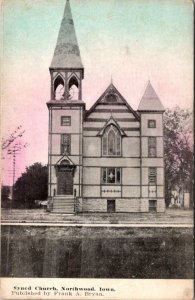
<point>66,110</point>
<point>152,154</point>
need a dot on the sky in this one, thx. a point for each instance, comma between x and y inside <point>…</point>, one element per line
<point>132,41</point>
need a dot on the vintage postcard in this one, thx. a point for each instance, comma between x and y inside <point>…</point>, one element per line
<point>97,149</point>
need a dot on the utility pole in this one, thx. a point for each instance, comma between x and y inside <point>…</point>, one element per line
<point>14,151</point>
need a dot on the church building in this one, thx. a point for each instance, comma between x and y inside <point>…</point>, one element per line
<point>105,159</point>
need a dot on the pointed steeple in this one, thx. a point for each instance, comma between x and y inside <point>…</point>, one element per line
<point>150,100</point>
<point>67,53</point>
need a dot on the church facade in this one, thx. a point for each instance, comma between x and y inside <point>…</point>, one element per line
<point>105,159</point>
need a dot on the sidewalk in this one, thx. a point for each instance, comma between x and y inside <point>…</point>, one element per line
<point>170,217</point>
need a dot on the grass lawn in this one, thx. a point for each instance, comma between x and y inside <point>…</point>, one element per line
<point>97,252</point>
<point>171,216</point>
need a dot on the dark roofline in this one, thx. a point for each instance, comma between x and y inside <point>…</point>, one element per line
<point>125,102</point>
<point>69,69</point>
<point>151,111</point>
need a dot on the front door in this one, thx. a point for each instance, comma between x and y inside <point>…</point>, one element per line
<point>65,182</point>
<point>110,206</point>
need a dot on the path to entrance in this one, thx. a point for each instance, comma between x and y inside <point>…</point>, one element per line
<point>175,218</point>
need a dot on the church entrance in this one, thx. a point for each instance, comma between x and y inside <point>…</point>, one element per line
<point>65,182</point>
<point>65,173</point>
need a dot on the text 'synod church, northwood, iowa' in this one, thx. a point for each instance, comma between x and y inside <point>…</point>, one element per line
<point>105,159</point>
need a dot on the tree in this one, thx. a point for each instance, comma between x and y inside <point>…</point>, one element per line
<point>178,153</point>
<point>5,193</point>
<point>6,142</point>
<point>31,186</point>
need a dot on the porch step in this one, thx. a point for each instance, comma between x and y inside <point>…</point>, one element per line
<point>63,204</point>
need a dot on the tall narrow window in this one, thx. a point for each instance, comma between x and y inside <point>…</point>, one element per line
<point>152,176</point>
<point>111,142</point>
<point>65,144</point>
<point>152,146</point>
<point>73,86</point>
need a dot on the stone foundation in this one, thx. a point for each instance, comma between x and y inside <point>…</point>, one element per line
<point>121,205</point>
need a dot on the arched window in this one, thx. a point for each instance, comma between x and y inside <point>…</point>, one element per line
<point>59,88</point>
<point>73,87</point>
<point>111,141</point>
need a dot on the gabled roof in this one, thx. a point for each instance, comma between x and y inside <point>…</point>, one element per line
<point>67,53</point>
<point>65,157</point>
<point>112,90</point>
<point>150,100</point>
<point>113,122</point>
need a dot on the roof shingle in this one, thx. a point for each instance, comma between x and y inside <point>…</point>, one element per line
<point>150,100</point>
<point>67,53</point>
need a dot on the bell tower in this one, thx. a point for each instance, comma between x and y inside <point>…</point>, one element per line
<point>66,110</point>
<point>66,68</point>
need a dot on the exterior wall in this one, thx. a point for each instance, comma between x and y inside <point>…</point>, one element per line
<point>55,131</point>
<point>160,205</point>
<point>94,205</point>
<point>100,205</point>
<point>91,146</point>
<point>155,192</point>
<point>144,207</point>
<point>134,192</point>
<point>158,131</point>
<point>124,205</point>
<point>93,161</point>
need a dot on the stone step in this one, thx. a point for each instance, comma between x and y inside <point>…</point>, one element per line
<point>63,204</point>
<point>64,197</point>
<point>64,207</point>
<point>63,212</point>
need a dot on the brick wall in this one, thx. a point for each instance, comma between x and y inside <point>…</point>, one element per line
<point>122,205</point>
<point>144,205</point>
<point>160,205</point>
<point>127,205</point>
<point>94,205</point>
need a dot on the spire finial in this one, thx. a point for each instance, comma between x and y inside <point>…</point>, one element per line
<point>111,79</point>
